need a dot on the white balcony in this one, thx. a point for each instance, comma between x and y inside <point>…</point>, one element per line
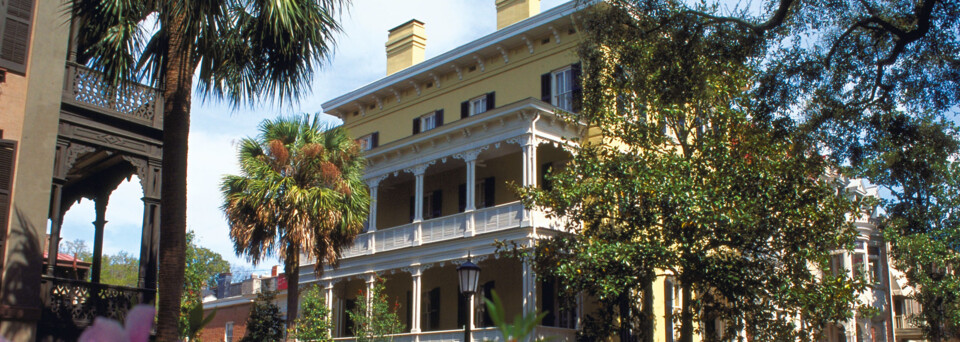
<point>486,220</point>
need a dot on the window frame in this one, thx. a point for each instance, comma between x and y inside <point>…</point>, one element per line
<point>564,99</point>
<point>429,117</point>
<point>478,101</point>
<point>365,142</point>
<point>228,332</point>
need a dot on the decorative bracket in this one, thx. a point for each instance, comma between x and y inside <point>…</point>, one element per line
<point>503,52</point>
<point>436,80</point>
<point>457,69</point>
<point>556,34</point>
<point>375,181</point>
<point>415,87</point>
<point>362,109</point>
<point>470,155</point>
<point>479,62</point>
<point>379,102</point>
<point>396,94</point>
<point>528,42</point>
<point>419,169</point>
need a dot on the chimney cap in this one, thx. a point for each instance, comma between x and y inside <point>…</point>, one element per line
<point>406,23</point>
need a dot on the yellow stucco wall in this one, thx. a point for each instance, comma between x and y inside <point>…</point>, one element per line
<point>513,81</point>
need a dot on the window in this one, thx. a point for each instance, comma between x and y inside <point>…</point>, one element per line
<point>561,88</point>
<point>228,332</point>
<point>369,141</point>
<point>428,121</point>
<point>873,262</point>
<point>477,105</point>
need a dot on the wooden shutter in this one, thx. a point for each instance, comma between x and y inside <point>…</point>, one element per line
<point>462,197</point>
<point>15,21</point>
<point>461,309</point>
<point>439,118</point>
<point>433,309</point>
<point>489,191</point>
<point>488,294</point>
<point>8,155</point>
<point>416,125</point>
<point>547,302</point>
<point>464,109</point>
<point>491,104</point>
<point>413,206</point>
<point>436,204</point>
<point>375,139</point>
<point>545,91</point>
<point>577,88</point>
<point>409,309</point>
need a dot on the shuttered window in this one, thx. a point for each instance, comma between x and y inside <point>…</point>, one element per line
<point>478,105</point>
<point>8,154</point>
<point>15,19</point>
<point>562,88</point>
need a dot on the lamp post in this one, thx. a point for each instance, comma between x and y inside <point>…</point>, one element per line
<point>469,274</point>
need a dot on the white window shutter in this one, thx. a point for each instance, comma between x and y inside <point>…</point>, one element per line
<point>15,20</point>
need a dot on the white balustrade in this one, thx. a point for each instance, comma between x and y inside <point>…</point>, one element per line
<point>486,220</point>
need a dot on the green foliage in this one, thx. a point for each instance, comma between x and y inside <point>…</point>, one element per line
<point>197,321</point>
<point>687,183</point>
<point>203,265</point>
<point>313,323</point>
<point>120,269</point>
<point>522,325</point>
<point>300,192</point>
<point>265,322</point>
<point>382,319</point>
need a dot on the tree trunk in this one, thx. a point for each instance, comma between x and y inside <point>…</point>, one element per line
<point>292,271</point>
<point>686,314</point>
<point>177,84</point>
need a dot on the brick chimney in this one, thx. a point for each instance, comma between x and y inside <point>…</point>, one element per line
<point>405,45</point>
<point>512,11</point>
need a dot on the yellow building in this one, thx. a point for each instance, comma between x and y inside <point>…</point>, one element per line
<point>65,135</point>
<point>446,138</point>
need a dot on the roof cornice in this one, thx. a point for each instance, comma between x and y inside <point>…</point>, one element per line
<point>448,57</point>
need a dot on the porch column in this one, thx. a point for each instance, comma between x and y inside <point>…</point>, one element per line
<point>470,158</point>
<point>529,289</point>
<point>328,301</point>
<point>374,185</point>
<point>100,202</point>
<point>148,245</point>
<point>529,144</point>
<point>850,328</point>
<point>56,218</point>
<point>418,171</point>
<point>371,282</point>
<point>416,274</point>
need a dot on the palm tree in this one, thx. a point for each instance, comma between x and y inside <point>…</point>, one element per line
<point>243,51</point>
<point>300,193</point>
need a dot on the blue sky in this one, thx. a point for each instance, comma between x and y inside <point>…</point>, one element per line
<point>359,59</point>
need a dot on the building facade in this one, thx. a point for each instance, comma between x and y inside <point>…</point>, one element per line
<point>65,135</point>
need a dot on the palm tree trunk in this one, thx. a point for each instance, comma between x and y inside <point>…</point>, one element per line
<point>686,314</point>
<point>173,210</point>
<point>293,288</point>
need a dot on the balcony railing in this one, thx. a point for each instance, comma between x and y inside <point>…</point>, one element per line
<point>73,304</point>
<point>478,334</point>
<point>85,88</point>
<point>902,322</point>
<point>486,220</point>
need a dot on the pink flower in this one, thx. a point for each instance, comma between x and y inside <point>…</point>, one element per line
<point>139,322</point>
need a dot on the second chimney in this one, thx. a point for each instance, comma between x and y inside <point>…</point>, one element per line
<point>512,11</point>
<point>405,45</point>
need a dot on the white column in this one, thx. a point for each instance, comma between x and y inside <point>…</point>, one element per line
<point>371,281</point>
<point>529,289</point>
<point>529,144</point>
<point>415,301</point>
<point>418,194</point>
<point>374,186</point>
<point>328,301</point>
<point>471,312</point>
<point>471,185</point>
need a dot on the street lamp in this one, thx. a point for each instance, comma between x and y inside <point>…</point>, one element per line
<point>469,274</point>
